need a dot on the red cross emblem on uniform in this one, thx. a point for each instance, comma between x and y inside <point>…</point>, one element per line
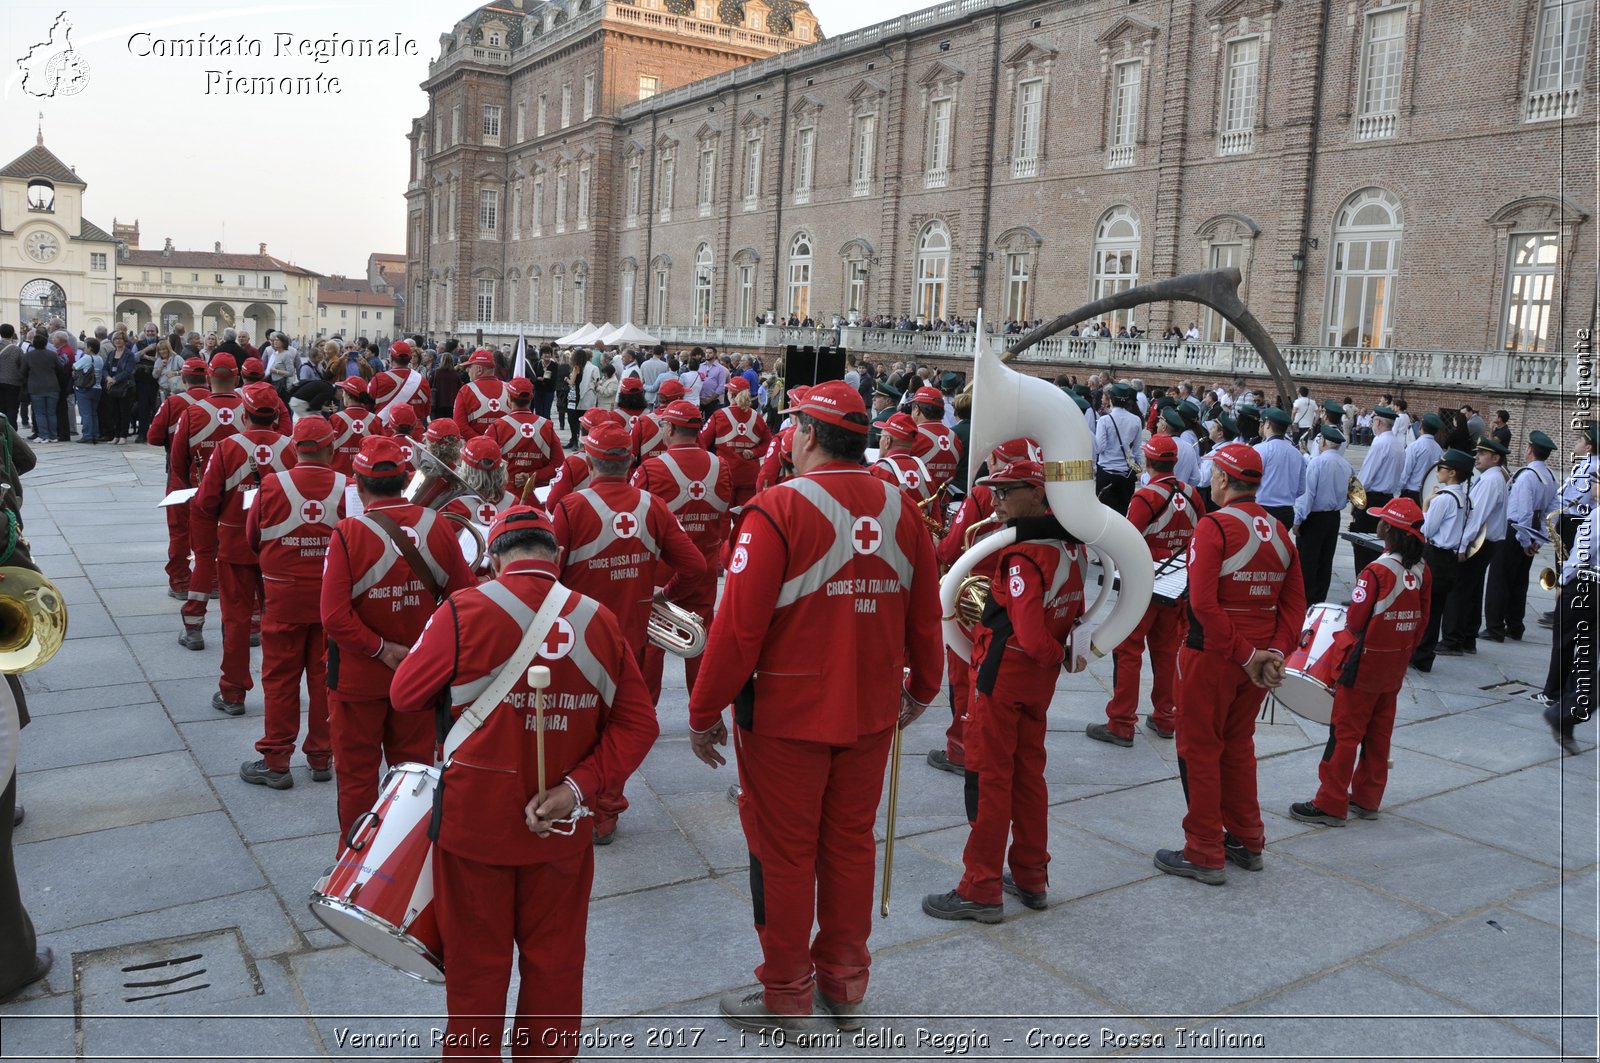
<point>944,442</point>
<point>697,490</point>
<point>494,405</point>
<point>405,453</point>
<point>913,481</point>
<point>1177,502</point>
<point>311,511</point>
<point>263,455</point>
<point>225,416</point>
<point>487,513</point>
<point>357,427</point>
<point>625,525</point>
<point>528,430</point>
<point>1411,581</point>
<point>559,642</point>
<point>866,536</point>
<point>411,533</point>
<point>1263,527</point>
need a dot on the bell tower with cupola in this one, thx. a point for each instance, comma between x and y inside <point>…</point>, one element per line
<point>53,261</point>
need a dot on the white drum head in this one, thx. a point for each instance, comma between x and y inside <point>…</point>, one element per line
<point>1306,698</point>
<point>378,938</point>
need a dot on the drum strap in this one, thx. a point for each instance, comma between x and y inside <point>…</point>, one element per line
<point>412,555</point>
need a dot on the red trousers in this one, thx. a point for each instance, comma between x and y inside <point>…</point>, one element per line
<point>1217,756</point>
<point>203,580</point>
<point>178,547</point>
<point>700,597</point>
<point>808,809</point>
<point>1361,721</point>
<point>483,910</point>
<point>288,651</point>
<point>960,673</point>
<point>239,590</point>
<point>1163,629</point>
<point>1005,748</point>
<point>367,733</point>
<point>608,806</point>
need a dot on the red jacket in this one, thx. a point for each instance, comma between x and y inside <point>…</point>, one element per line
<point>370,594</point>
<point>614,541</point>
<point>1040,586</point>
<point>285,421</point>
<point>649,436</point>
<point>938,446</point>
<point>236,466</point>
<point>1164,511</point>
<point>1244,584</point>
<point>530,446</point>
<point>350,427</point>
<point>774,470</point>
<point>818,642</point>
<point>420,400</point>
<point>908,473</point>
<point>204,424</point>
<point>697,488</point>
<point>599,720</point>
<point>572,475</point>
<point>977,506</point>
<point>164,426</point>
<point>1384,627</point>
<point>289,527</point>
<point>478,404</point>
<point>738,437</point>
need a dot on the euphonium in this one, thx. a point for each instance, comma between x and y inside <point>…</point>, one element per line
<point>972,596</point>
<point>676,630</point>
<point>434,486</point>
<point>33,620</point>
<point>1357,493</point>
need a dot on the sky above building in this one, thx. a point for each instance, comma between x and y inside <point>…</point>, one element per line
<point>172,140</point>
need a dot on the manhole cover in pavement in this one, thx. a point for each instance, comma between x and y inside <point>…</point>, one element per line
<point>180,975</point>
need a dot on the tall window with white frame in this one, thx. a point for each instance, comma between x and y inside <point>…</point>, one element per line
<point>1237,136</point>
<point>800,259</point>
<point>485,305</point>
<point>866,148</point>
<point>533,297</point>
<point>933,272</point>
<point>1382,56</point>
<point>1030,121</point>
<point>516,210</point>
<point>747,294</point>
<point>635,179</point>
<point>522,120</point>
<point>708,178</point>
<point>752,169</point>
<point>1561,44</point>
<point>857,273</point>
<point>542,115</point>
<point>566,105</point>
<point>702,285</point>
<point>488,211</point>
<point>648,86</point>
<point>1530,292</point>
<point>1115,267</point>
<point>558,296</point>
<point>538,205</point>
<point>580,296</point>
<point>805,158</point>
<point>561,198</point>
<point>658,306</point>
<point>1019,280</point>
<point>941,116</point>
<point>625,295</point>
<point>1127,80</point>
<point>1366,264</point>
<point>589,90</point>
<point>1219,329</point>
<point>583,196</point>
<point>666,178</point>
<point>491,125</point>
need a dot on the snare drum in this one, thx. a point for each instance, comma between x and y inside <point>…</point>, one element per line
<point>379,896</point>
<point>1312,668</point>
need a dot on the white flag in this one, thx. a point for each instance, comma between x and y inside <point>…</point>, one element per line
<point>521,365</point>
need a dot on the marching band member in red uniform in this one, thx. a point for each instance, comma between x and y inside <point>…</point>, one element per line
<point>698,489</point>
<point>163,431</point>
<point>404,429</point>
<point>289,526</point>
<point>254,371</point>
<point>937,445</point>
<point>618,544</point>
<point>353,424</point>
<point>529,444</point>
<point>813,729</point>
<point>1017,650</point>
<point>503,871</point>
<point>205,424</point>
<point>778,464</point>
<point>442,439</point>
<point>386,572</point>
<point>649,434</point>
<point>400,385</point>
<point>482,470</point>
<point>573,475</point>
<point>630,402</point>
<point>236,466</point>
<point>898,465</point>
<point>738,435</point>
<point>482,400</point>
<point>1164,511</point>
<point>1388,612</point>
<point>1246,605</point>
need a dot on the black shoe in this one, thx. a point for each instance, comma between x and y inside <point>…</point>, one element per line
<point>607,838</point>
<point>1172,862</point>
<point>192,640</point>
<point>232,708</point>
<point>1492,636</point>
<point>1235,853</point>
<point>954,906</point>
<point>255,639</point>
<point>1101,733</point>
<point>1443,650</point>
<point>1547,619</point>
<point>1562,735</point>
<point>322,774</point>
<point>1150,725</point>
<point>1469,647</point>
<point>43,959</point>
<point>1306,812</point>
<point>1514,636</point>
<point>257,773</point>
<point>749,1012</point>
<point>846,1017</point>
<point>1421,667</point>
<point>938,758</point>
<point>1541,697</point>
<point>1363,813</point>
<point>18,816</point>
<point>1035,899</point>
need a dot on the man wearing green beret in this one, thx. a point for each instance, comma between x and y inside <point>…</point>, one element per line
<point>1118,437</point>
<point>1283,470</point>
<point>1333,414</point>
<point>1380,476</point>
<point>1317,510</point>
<point>1533,493</point>
<point>1248,419</point>
<point>884,400</point>
<point>1422,454</point>
<point>1486,516</point>
<point>1443,526</point>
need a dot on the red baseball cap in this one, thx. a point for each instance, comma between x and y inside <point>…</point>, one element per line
<point>442,428</point>
<point>223,365</point>
<point>738,383</point>
<point>482,356</point>
<point>1161,448</point>
<point>681,414</point>
<point>519,387</point>
<point>594,417</point>
<point>1239,461</point>
<point>1022,448</point>
<point>519,518</point>
<point>259,397</point>
<point>671,388</point>
<point>786,442</point>
<point>928,394</point>
<point>607,442</point>
<point>312,433</point>
<point>194,366</point>
<point>382,386</point>
<point>1016,472</point>
<point>631,385</point>
<point>253,369</point>
<point>1403,514</point>
<point>798,393</point>
<point>353,384</point>
<point>400,351</point>
<point>899,427</point>
<point>402,418</point>
<point>831,403</point>
<point>380,456</point>
<point>481,452</point>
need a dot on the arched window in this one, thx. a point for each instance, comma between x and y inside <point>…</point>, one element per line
<point>800,276</point>
<point>533,295</point>
<point>933,271</point>
<point>1366,260</point>
<point>1116,259</point>
<point>625,288</point>
<point>702,285</point>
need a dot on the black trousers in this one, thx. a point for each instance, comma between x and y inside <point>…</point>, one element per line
<point>1284,515</point>
<point>1463,614</point>
<point>1115,489</point>
<point>1319,539</point>
<point>1572,649</point>
<point>1362,520</point>
<point>1505,594</point>
<point>1415,496</point>
<point>1567,527</point>
<point>1443,568</point>
<point>17,940</point>
<point>10,400</point>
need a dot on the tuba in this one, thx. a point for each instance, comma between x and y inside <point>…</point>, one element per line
<point>675,629</point>
<point>1356,493</point>
<point>1007,404</point>
<point>434,486</point>
<point>972,594</point>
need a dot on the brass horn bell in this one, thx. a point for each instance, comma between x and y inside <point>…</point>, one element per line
<point>33,620</point>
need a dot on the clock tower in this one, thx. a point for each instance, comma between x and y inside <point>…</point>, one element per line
<point>53,261</point>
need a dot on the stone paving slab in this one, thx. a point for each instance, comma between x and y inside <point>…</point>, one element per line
<point>94,735</point>
<point>95,797</point>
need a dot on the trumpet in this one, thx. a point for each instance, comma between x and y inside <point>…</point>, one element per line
<point>675,629</point>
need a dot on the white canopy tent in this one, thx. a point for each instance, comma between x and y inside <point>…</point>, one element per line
<point>583,335</point>
<point>629,334</point>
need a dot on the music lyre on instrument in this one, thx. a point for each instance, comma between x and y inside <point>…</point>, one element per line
<point>539,680</point>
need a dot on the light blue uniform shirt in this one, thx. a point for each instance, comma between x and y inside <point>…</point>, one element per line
<point>1114,431</point>
<point>1380,472</point>
<point>1442,525</point>
<point>1283,472</point>
<point>1575,492</point>
<point>1421,455</point>
<point>1327,485</point>
<point>1582,554</point>
<point>1533,490</point>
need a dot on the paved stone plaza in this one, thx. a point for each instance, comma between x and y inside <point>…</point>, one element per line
<point>1462,924</point>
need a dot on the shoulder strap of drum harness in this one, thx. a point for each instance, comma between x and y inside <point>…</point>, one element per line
<point>994,618</point>
<point>1347,676</point>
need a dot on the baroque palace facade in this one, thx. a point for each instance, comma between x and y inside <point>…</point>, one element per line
<point>1386,175</point>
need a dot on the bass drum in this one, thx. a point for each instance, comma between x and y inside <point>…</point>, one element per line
<point>1313,666</point>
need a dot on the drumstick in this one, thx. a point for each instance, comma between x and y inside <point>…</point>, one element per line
<point>539,678</point>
